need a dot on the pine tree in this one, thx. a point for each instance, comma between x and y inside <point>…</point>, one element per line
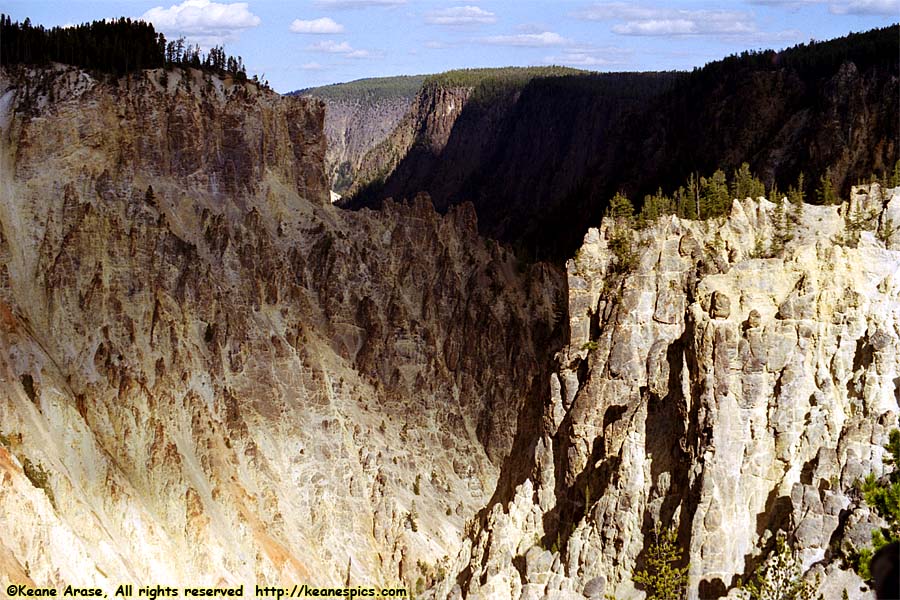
<point>796,193</point>
<point>780,578</point>
<point>620,208</point>
<point>685,206</point>
<point>663,579</point>
<point>714,196</point>
<point>774,194</point>
<point>694,194</point>
<point>654,207</point>
<point>745,185</point>
<point>783,228</point>
<point>883,495</point>
<point>825,192</point>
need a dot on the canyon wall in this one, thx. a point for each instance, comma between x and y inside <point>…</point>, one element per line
<point>359,116</point>
<point>209,375</point>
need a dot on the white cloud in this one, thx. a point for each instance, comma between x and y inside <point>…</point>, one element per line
<point>331,47</point>
<point>887,8</point>
<point>352,4</point>
<point>530,40</point>
<point>460,15</point>
<point>311,66</point>
<point>579,59</point>
<point>316,26</point>
<point>342,48</point>
<point>651,21</point>
<point>203,21</point>
<point>786,3</point>
<point>692,23</point>
<point>615,10</point>
<point>590,56</point>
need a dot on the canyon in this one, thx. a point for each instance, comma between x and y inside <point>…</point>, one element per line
<point>359,116</point>
<point>212,376</point>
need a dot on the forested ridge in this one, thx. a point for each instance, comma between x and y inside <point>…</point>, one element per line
<point>115,46</point>
<point>370,89</point>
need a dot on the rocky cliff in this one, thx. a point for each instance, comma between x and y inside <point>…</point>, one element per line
<point>713,384</point>
<point>424,131</point>
<point>209,376</point>
<point>541,162</point>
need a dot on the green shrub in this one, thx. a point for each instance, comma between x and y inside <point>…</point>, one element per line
<point>625,259</point>
<point>39,478</point>
<point>886,231</point>
<point>826,193</point>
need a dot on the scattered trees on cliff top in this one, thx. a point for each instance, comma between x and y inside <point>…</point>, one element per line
<point>493,83</point>
<point>501,75</point>
<point>702,197</point>
<point>116,46</point>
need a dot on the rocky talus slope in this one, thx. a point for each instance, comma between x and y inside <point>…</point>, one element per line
<point>719,386</point>
<point>222,379</point>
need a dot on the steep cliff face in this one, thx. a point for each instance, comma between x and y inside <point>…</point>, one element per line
<point>223,379</point>
<point>214,138</point>
<point>719,386</point>
<point>540,165</point>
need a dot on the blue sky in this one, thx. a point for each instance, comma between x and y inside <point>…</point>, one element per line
<point>297,44</point>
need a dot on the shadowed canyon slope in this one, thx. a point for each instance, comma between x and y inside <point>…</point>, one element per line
<point>541,161</point>
<point>223,378</point>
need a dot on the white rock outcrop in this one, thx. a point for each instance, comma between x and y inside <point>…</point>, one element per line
<point>721,386</point>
